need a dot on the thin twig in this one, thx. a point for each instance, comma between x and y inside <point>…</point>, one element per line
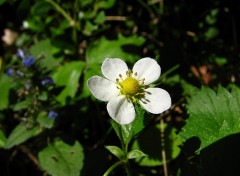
<point>165,170</point>
<point>115,18</point>
<point>30,155</point>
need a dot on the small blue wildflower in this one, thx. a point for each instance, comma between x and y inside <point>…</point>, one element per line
<point>10,72</point>
<point>52,114</point>
<point>47,80</point>
<point>28,61</point>
<point>20,54</point>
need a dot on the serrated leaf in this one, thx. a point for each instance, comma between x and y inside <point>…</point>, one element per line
<point>149,142</point>
<point>116,151</point>
<point>44,120</point>
<point>135,154</point>
<point>212,116</point>
<point>5,84</point>
<point>21,134</point>
<point>44,48</point>
<point>104,48</point>
<point>59,158</point>
<point>68,75</point>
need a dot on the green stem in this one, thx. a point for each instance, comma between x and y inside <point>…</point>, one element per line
<point>125,150</point>
<point>113,167</point>
<point>63,12</point>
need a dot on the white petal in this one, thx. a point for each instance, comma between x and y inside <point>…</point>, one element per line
<point>147,68</point>
<point>156,100</point>
<point>102,88</point>
<point>121,110</point>
<point>111,68</point>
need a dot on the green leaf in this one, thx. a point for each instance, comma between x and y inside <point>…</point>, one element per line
<point>149,142</point>
<point>141,120</point>
<point>2,2</point>
<point>106,4</point>
<point>68,75</point>
<point>44,121</point>
<point>22,105</point>
<point>116,151</point>
<point>3,139</point>
<point>135,154</point>
<point>44,49</point>
<point>104,48</point>
<point>59,158</point>
<point>5,84</point>
<point>212,116</point>
<point>40,7</point>
<point>20,134</point>
<point>100,18</point>
<point>211,33</point>
<point>124,132</point>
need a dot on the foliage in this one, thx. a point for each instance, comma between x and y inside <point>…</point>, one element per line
<point>50,124</point>
<point>212,116</point>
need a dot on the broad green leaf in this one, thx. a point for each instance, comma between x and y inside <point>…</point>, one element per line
<point>20,134</point>
<point>149,142</point>
<point>68,75</point>
<point>59,158</point>
<point>5,84</point>
<point>116,151</point>
<point>44,49</point>
<point>212,116</point>
<point>135,154</point>
<point>104,48</point>
<point>44,120</point>
<point>3,139</point>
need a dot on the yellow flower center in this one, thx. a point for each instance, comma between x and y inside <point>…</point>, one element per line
<point>130,86</point>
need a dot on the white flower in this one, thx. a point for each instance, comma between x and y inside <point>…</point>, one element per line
<point>122,87</point>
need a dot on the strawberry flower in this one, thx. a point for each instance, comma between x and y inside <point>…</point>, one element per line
<point>122,87</point>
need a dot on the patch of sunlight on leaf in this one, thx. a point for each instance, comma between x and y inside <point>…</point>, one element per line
<point>61,158</point>
<point>104,48</point>
<point>68,76</point>
<point>212,116</point>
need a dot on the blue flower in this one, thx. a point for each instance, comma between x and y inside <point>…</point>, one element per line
<point>10,72</point>
<point>52,114</point>
<point>21,54</point>
<point>28,61</point>
<point>47,80</point>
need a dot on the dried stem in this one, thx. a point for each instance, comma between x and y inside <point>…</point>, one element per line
<point>165,170</point>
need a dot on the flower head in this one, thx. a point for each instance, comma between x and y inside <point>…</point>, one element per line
<point>28,61</point>
<point>20,54</point>
<point>122,88</point>
<point>47,81</point>
<point>52,114</point>
<point>10,72</point>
